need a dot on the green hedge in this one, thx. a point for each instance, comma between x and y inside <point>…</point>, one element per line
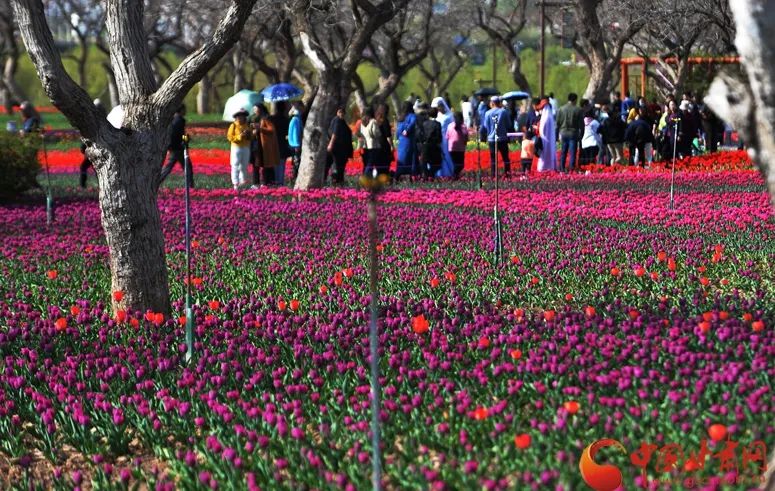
<point>19,165</point>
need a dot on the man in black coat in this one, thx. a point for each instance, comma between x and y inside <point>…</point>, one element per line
<point>175,148</point>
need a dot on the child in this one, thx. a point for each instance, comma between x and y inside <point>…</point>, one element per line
<point>239,136</point>
<point>528,151</point>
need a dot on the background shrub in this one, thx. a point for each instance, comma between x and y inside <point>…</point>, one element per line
<point>19,165</point>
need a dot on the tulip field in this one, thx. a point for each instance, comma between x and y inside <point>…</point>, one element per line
<point>611,316</point>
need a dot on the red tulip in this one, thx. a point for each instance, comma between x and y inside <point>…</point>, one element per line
<point>717,432</point>
<point>158,318</point>
<point>516,354</point>
<point>757,326</point>
<point>75,310</point>
<point>639,272</point>
<point>281,305</point>
<point>707,316</point>
<point>434,282</point>
<point>182,320</point>
<point>590,311</point>
<point>484,342</point>
<point>634,314</point>
<point>615,271</point>
<point>723,315</point>
<point>571,406</point>
<point>149,316</point>
<point>451,277</point>
<point>534,280</point>
<point>519,313</point>
<point>481,413</point>
<point>704,326</point>
<point>120,316</point>
<point>671,264</point>
<point>118,295</point>
<point>704,281</point>
<point>323,289</point>
<point>661,256</point>
<point>522,441</point>
<point>134,322</point>
<point>294,305</point>
<point>338,279</point>
<point>515,260</point>
<point>549,315</point>
<point>348,272</point>
<point>214,304</point>
<point>654,275</point>
<point>568,297</point>
<point>419,324</point>
<point>60,324</point>
<point>52,274</point>
<point>747,317</point>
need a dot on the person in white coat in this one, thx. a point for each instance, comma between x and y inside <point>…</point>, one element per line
<point>445,118</point>
<point>546,129</point>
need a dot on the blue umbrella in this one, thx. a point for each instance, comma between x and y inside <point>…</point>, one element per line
<point>281,92</point>
<point>517,95</point>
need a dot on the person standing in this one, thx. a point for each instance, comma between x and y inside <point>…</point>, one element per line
<point>279,120</point>
<point>497,122</point>
<point>385,154</point>
<point>527,152</point>
<point>570,121</point>
<point>638,134</point>
<point>429,139</point>
<point>457,138</point>
<point>546,130</point>
<point>590,142</point>
<point>612,130</point>
<point>372,141</point>
<point>627,104</point>
<point>407,146</point>
<point>468,112</point>
<point>256,152</point>
<point>340,146</point>
<point>445,119</point>
<point>265,133</point>
<point>177,131</point>
<point>294,139</point>
<point>239,135</point>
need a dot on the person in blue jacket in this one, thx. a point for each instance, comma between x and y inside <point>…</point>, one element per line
<point>294,139</point>
<point>445,118</point>
<point>407,143</point>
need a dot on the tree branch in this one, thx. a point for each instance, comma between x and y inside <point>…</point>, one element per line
<point>194,66</point>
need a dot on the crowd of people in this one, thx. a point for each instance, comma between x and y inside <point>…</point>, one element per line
<point>429,140</point>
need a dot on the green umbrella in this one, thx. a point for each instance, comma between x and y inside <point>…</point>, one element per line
<point>244,99</point>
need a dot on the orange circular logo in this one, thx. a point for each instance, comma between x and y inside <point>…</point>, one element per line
<point>604,477</point>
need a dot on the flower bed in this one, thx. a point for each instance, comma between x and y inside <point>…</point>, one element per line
<point>613,316</point>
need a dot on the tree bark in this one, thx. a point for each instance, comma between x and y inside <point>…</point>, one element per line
<point>203,96</point>
<point>315,138</point>
<point>9,81</point>
<point>749,104</point>
<point>112,86</point>
<point>238,60</point>
<point>128,175</point>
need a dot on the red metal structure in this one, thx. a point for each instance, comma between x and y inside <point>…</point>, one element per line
<point>635,60</point>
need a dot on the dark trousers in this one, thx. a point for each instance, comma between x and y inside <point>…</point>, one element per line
<point>526,165</point>
<point>268,173</point>
<point>337,163</point>
<point>174,157</point>
<point>589,154</point>
<point>295,161</point>
<point>459,161</point>
<point>568,145</point>
<point>503,149</point>
<point>84,167</point>
<point>640,147</point>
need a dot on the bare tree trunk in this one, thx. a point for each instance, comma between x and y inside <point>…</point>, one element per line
<point>600,79</point>
<point>112,86</point>
<point>238,60</point>
<point>9,81</point>
<point>82,60</point>
<point>128,176</point>
<point>515,68</point>
<point>203,95</point>
<point>315,139</point>
<point>749,104</point>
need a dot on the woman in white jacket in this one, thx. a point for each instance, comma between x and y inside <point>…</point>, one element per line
<point>591,142</point>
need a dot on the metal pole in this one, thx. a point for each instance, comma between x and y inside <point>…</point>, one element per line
<point>49,196</point>
<point>675,148</point>
<point>376,476</point>
<point>479,156</point>
<point>498,242</point>
<point>189,310</point>
<point>543,46</point>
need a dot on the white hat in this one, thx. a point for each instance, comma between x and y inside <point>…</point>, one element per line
<point>685,105</point>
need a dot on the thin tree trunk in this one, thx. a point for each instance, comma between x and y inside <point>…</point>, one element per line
<point>315,139</point>
<point>128,175</point>
<point>515,68</point>
<point>82,60</point>
<point>238,60</point>
<point>9,80</point>
<point>600,78</point>
<point>112,86</point>
<point>203,95</point>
